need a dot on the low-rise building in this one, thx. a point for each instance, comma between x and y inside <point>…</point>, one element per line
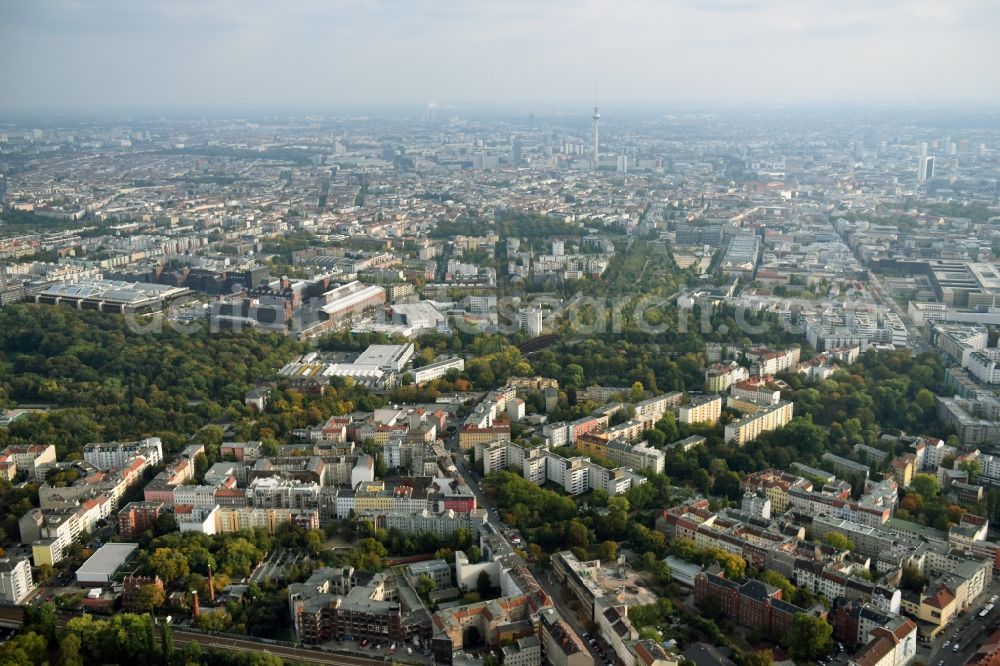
<point>753,604</point>
<point>101,567</point>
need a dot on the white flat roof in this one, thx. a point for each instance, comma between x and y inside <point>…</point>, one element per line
<point>381,355</point>
<point>107,560</point>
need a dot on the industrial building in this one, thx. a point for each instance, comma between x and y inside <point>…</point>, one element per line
<point>101,567</point>
<point>111,295</point>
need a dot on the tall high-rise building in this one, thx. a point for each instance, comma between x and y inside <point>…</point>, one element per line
<point>531,322</point>
<point>925,169</point>
<point>922,163</point>
<point>516,152</point>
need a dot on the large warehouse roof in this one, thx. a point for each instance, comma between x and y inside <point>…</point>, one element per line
<point>106,561</point>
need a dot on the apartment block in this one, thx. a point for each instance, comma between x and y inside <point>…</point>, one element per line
<point>469,436</point>
<point>32,460</point>
<point>442,523</point>
<point>16,582</point>
<point>751,426</point>
<point>137,517</point>
<point>113,455</point>
<point>701,410</point>
<point>719,377</point>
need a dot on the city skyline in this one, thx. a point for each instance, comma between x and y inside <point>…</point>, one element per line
<point>71,56</point>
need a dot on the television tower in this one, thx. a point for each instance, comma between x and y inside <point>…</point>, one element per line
<point>597,122</point>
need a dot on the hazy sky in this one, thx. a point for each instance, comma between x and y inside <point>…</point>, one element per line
<point>67,55</point>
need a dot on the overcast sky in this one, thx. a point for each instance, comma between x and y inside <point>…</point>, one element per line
<point>322,55</point>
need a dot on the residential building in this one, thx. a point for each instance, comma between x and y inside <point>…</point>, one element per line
<point>137,517</point>
<point>444,523</point>
<point>33,460</point>
<point>719,377</point>
<point>846,468</point>
<point>469,436</point>
<point>16,582</point>
<point>560,644</point>
<point>526,651</point>
<point>705,409</point>
<point>748,428</point>
<point>113,455</point>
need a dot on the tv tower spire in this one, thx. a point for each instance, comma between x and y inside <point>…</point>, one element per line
<point>597,122</point>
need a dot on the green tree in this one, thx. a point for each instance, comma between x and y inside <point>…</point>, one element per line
<point>808,637</point>
<point>210,437</point>
<point>149,598</point>
<point>200,467</point>
<point>927,485</point>
<point>727,485</point>
<point>925,400</point>
<point>169,564</point>
<point>656,438</point>
<point>165,524</point>
<point>26,648</point>
<point>166,643</point>
<point>668,426</point>
<point>69,651</point>
<point>314,542</point>
<point>573,376</point>
<point>214,621</point>
<point>41,620</point>
<point>760,658</point>
<point>702,481</point>
<point>483,585</point>
<point>774,578</point>
<point>838,540</point>
<point>607,551</point>
<point>972,468</point>
<point>45,573</point>
<point>425,585</point>
<point>577,535</point>
<point>912,579</point>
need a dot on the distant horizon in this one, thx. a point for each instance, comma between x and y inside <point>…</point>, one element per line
<point>477,110</point>
<point>207,55</point>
